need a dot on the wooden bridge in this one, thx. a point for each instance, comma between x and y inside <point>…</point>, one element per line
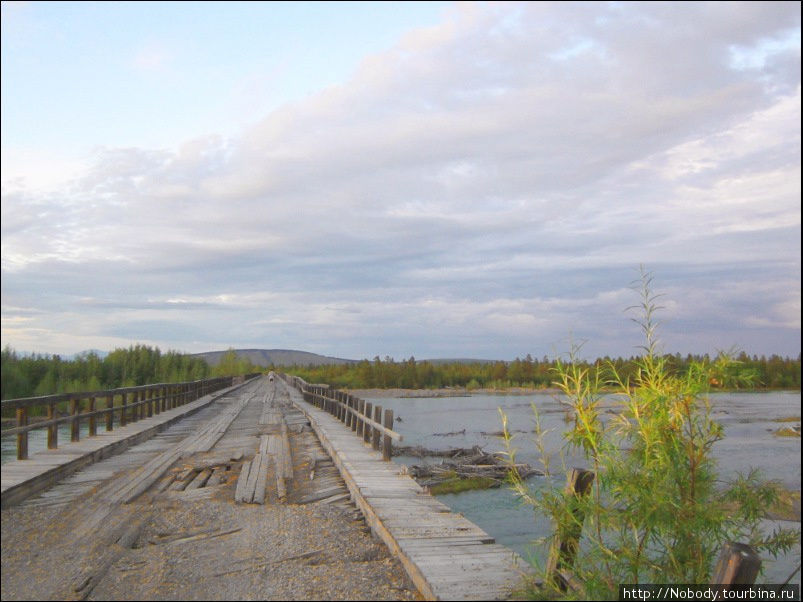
<point>193,464</point>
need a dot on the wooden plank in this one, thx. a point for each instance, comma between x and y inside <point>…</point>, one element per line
<point>216,477</point>
<point>260,489</point>
<point>287,460</point>
<point>239,493</point>
<point>253,476</point>
<point>200,479</point>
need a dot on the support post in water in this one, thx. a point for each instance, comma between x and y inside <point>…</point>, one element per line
<point>738,564</point>
<point>564,546</point>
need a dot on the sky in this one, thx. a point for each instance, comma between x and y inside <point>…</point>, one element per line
<point>436,179</point>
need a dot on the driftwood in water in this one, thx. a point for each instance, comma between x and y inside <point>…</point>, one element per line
<point>462,463</point>
<point>422,452</point>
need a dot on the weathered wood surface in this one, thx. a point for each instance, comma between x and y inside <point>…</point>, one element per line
<point>22,479</point>
<point>447,556</point>
<point>565,545</point>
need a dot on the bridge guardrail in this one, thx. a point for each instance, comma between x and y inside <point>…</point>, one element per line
<point>365,419</point>
<point>129,403</point>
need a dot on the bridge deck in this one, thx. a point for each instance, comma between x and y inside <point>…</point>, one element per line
<point>113,528</point>
<point>447,556</point>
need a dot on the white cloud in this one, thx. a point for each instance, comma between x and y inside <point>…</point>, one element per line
<point>493,180</point>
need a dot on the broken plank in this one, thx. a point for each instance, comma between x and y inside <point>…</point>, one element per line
<point>239,493</point>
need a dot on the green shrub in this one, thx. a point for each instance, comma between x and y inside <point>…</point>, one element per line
<point>658,511</point>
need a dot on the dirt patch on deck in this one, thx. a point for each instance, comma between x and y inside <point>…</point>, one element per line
<point>209,549</point>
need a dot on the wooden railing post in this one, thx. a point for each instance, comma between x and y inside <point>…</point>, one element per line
<point>354,419</point>
<point>110,413</point>
<point>93,422</point>
<point>376,431</point>
<point>53,429</point>
<point>134,415</point>
<point>75,425</point>
<point>386,445</point>
<point>150,402</point>
<point>366,432</point>
<point>22,438</point>
<point>738,564</point>
<point>360,421</point>
<point>123,417</point>
<point>564,546</point>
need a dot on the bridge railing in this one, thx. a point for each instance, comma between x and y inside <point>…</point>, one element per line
<point>368,421</point>
<point>129,404</point>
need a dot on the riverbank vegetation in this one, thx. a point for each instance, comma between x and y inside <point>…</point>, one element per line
<point>774,372</point>
<point>656,511</point>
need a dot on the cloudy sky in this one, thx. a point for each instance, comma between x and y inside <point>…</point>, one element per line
<point>433,179</point>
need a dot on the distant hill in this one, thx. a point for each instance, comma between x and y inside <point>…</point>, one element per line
<point>275,357</point>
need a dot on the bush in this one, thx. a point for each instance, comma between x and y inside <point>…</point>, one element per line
<point>657,511</point>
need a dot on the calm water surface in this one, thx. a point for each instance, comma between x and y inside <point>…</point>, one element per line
<point>438,423</point>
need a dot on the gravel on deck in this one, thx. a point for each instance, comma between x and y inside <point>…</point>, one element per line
<point>207,549</point>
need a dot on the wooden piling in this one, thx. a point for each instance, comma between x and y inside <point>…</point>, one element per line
<point>738,564</point>
<point>564,546</point>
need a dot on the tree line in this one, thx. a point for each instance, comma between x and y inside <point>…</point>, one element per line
<point>30,375</point>
<point>26,375</point>
<point>774,372</point>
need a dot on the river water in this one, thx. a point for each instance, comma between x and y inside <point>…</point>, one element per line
<point>450,422</point>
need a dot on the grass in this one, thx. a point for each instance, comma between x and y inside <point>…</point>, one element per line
<point>458,485</point>
<point>786,432</point>
<point>788,419</point>
<point>787,507</point>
